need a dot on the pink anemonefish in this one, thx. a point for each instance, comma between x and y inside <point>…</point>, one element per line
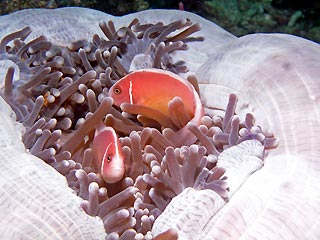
<point>108,154</point>
<point>153,88</point>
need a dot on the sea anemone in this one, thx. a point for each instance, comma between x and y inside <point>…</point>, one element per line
<point>58,90</point>
<point>65,97</point>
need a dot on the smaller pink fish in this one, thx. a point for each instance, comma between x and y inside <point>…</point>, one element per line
<point>108,154</point>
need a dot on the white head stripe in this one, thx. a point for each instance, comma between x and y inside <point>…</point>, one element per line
<point>130,92</point>
<point>104,155</point>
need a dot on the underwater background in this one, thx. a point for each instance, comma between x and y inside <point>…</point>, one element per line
<point>239,17</point>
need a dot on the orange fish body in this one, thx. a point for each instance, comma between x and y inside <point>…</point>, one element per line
<point>108,154</point>
<point>153,88</point>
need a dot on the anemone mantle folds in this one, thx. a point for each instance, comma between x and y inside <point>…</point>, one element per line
<point>275,76</point>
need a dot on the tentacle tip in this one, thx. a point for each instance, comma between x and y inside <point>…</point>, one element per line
<point>93,187</point>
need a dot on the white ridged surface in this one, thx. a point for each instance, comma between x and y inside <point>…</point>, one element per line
<point>240,162</point>
<point>276,77</point>
<point>188,213</point>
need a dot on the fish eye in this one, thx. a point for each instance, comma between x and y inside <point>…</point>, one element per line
<point>117,91</point>
<point>109,158</point>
